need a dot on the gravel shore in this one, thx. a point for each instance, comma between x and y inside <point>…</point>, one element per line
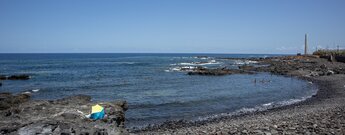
<point>324,113</point>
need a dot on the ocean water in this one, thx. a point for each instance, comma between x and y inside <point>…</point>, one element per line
<point>153,84</point>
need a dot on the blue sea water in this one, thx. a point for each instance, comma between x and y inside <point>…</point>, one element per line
<point>153,84</point>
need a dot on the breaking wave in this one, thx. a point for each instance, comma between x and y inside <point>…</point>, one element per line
<point>211,62</point>
<point>181,68</point>
<point>244,62</point>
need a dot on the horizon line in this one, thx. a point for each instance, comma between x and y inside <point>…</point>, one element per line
<point>135,53</point>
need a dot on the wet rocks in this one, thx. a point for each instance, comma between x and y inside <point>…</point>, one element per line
<point>217,72</point>
<point>15,77</point>
<point>19,77</point>
<point>2,77</point>
<point>202,57</point>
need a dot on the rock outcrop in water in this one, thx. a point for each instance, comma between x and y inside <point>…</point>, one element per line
<point>20,115</point>
<point>289,65</point>
<point>15,77</point>
<point>298,66</point>
<point>217,71</point>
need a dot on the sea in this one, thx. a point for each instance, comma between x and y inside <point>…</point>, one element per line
<point>155,85</point>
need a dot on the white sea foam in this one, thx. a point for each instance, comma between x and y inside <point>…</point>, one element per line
<point>35,90</point>
<point>267,104</point>
<point>27,92</point>
<point>176,69</point>
<point>202,57</point>
<point>243,62</point>
<point>186,64</point>
<point>183,68</point>
<point>211,62</point>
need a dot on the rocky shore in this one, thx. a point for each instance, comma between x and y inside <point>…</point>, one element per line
<point>324,113</point>
<point>20,115</point>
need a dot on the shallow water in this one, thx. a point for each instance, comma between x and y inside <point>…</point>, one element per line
<point>151,83</point>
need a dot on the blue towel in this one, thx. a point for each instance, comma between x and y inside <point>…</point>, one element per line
<point>98,115</point>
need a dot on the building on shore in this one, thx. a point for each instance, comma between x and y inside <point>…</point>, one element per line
<point>305,44</point>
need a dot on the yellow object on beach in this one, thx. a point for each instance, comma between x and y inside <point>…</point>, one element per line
<point>96,108</point>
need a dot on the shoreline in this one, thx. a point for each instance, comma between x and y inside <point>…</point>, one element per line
<point>215,118</point>
<point>312,115</point>
<point>290,119</point>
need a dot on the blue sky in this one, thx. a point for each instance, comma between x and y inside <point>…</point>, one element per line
<point>174,26</point>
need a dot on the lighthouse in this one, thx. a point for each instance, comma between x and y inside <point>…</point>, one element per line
<point>305,44</point>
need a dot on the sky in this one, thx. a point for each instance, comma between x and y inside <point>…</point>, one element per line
<point>170,26</point>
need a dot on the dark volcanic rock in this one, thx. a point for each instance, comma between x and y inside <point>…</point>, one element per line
<point>8,100</point>
<point>116,112</point>
<point>15,77</point>
<point>202,57</point>
<point>2,77</point>
<point>19,115</point>
<point>19,77</point>
<point>78,99</point>
<point>297,66</point>
<point>217,72</point>
<point>246,67</point>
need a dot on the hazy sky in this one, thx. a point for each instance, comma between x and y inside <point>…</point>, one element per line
<point>174,26</point>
